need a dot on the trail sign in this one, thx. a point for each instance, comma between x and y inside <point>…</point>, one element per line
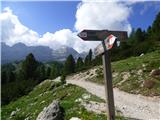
<point>109,42</point>
<point>108,39</point>
<point>99,35</point>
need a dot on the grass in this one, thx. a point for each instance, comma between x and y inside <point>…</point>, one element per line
<point>132,65</point>
<point>32,104</point>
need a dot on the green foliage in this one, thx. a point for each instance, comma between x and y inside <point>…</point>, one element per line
<point>88,59</point>
<point>48,72</point>
<point>79,64</point>
<point>54,72</point>
<point>135,83</point>
<point>18,81</point>
<point>63,79</point>
<point>43,94</point>
<point>40,73</point>
<point>29,67</point>
<point>69,66</point>
<point>13,90</point>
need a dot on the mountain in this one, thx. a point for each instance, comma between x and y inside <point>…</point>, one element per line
<point>19,51</point>
<point>62,53</point>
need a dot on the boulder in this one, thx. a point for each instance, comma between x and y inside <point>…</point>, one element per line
<point>149,84</point>
<point>155,72</point>
<point>52,112</point>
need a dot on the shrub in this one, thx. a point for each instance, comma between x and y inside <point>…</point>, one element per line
<point>63,79</point>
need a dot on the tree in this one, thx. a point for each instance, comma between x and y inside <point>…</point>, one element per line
<point>10,76</point>
<point>29,67</point>
<point>48,72</point>
<point>156,28</point>
<point>40,72</point>
<point>69,66</point>
<point>54,72</point>
<point>4,77</point>
<point>139,35</point>
<point>79,64</point>
<point>88,58</point>
<point>156,24</point>
<point>63,79</point>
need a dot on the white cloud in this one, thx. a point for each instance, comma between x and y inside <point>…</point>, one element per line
<point>12,31</point>
<point>89,15</point>
<point>103,15</point>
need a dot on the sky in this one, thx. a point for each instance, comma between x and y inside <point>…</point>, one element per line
<point>56,23</point>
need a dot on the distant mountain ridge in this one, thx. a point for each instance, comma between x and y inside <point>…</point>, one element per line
<point>19,51</point>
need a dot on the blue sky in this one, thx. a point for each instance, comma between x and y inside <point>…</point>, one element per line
<point>56,23</point>
<point>44,16</point>
<point>53,15</point>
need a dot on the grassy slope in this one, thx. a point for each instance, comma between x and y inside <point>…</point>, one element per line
<point>133,84</point>
<point>31,105</point>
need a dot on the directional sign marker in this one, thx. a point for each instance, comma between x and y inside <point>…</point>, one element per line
<point>109,42</point>
<point>99,35</point>
<point>108,39</point>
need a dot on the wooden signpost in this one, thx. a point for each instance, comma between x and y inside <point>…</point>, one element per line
<point>108,39</point>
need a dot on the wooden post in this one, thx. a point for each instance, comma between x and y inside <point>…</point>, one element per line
<point>108,84</point>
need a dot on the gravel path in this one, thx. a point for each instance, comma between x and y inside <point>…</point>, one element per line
<point>132,106</point>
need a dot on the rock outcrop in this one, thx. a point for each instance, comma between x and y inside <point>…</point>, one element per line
<point>52,112</point>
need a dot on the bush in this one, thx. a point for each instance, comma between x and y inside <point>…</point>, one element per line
<point>63,79</point>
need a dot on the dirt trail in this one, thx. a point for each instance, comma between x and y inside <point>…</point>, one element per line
<point>132,106</point>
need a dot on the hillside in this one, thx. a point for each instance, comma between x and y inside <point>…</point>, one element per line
<point>70,97</point>
<point>129,75</point>
<point>134,75</point>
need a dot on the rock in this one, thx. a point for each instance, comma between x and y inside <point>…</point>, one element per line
<point>142,54</point>
<point>86,96</point>
<point>13,113</point>
<point>52,112</point>
<point>149,84</point>
<point>75,118</point>
<point>139,72</point>
<point>78,100</point>
<point>155,72</point>
<point>126,75</point>
<point>94,106</point>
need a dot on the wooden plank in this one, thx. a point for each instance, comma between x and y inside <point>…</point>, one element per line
<point>99,35</point>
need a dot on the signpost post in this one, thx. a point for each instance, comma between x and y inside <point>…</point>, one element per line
<point>108,39</point>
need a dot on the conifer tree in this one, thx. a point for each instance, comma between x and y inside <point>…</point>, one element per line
<point>29,67</point>
<point>79,64</point>
<point>69,66</point>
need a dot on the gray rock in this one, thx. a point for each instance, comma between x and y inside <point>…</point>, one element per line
<point>13,113</point>
<point>52,112</point>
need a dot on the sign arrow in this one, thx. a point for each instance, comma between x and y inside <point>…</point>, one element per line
<point>99,35</point>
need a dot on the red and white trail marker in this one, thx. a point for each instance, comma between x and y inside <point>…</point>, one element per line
<point>109,43</point>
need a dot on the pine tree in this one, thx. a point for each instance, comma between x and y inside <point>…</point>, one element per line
<point>88,58</point>
<point>156,28</point>
<point>48,72</point>
<point>54,72</point>
<point>29,67</point>
<point>139,35</point>
<point>40,73</point>
<point>69,66</point>
<point>10,76</point>
<point>156,24</point>
<point>79,64</point>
